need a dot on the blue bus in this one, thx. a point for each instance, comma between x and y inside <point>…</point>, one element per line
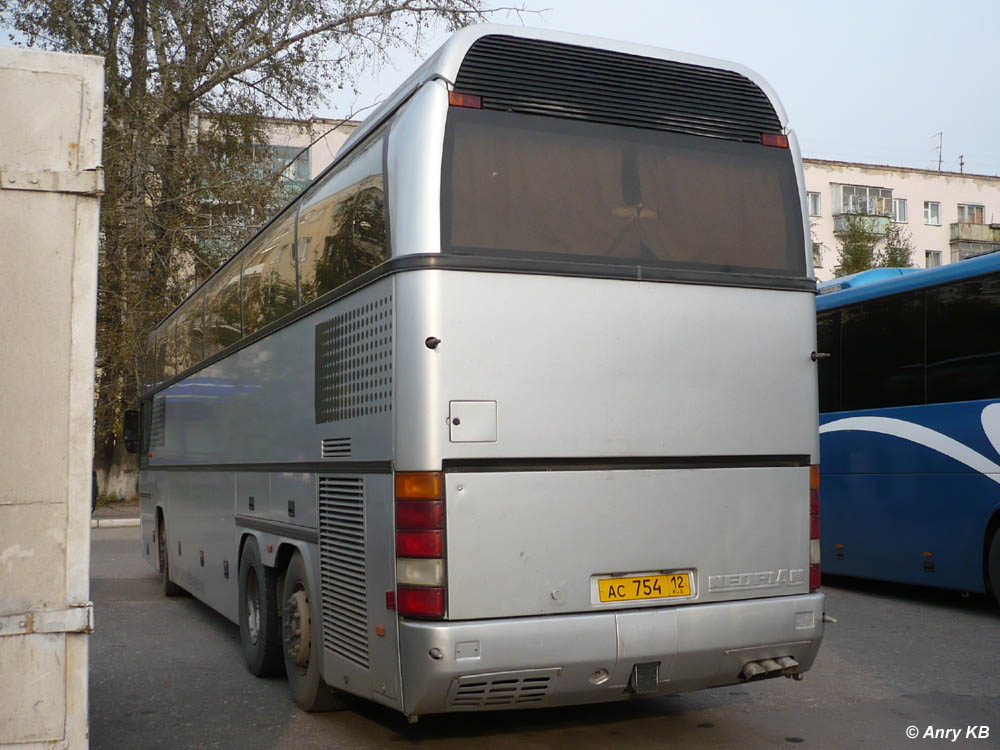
<point>909,402</point>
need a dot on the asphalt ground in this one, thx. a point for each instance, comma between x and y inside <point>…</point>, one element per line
<point>169,673</point>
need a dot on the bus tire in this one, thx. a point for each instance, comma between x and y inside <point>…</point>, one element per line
<point>169,587</point>
<point>993,566</point>
<point>300,637</point>
<point>260,624</point>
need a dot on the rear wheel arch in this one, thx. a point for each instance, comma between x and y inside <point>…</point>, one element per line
<point>168,587</point>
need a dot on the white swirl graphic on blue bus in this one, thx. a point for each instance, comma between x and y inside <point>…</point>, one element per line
<point>931,438</point>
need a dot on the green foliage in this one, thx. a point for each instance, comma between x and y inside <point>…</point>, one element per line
<point>863,246</point>
<point>187,85</point>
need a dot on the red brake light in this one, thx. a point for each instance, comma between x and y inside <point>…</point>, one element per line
<point>472,101</point>
<point>777,140</point>
<point>419,515</point>
<point>419,544</point>
<point>814,577</point>
<point>814,527</point>
<point>420,602</point>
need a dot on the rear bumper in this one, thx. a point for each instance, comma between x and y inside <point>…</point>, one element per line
<point>549,661</point>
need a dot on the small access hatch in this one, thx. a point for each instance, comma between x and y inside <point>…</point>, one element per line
<point>472,421</point>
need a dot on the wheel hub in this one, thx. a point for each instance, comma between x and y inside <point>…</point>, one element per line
<point>297,628</point>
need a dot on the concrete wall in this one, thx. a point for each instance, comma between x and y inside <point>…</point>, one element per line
<point>916,186</point>
<point>50,153</point>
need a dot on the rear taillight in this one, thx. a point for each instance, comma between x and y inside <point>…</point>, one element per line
<point>420,558</point>
<point>814,559</point>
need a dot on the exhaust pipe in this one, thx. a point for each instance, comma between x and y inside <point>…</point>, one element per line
<point>764,668</point>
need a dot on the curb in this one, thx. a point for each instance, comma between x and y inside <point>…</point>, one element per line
<point>113,523</point>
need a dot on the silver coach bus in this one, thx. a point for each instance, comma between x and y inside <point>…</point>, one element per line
<point>514,406</point>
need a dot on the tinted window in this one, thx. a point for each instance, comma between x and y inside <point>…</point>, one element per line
<point>828,341</point>
<point>170,350</point>
<point>342,230</point>
<point>189,335</point>
<point>269,289</point>
<point>558,188</point>
<point>883,353</point>
<point>963,341</point>
<point>223,322</point>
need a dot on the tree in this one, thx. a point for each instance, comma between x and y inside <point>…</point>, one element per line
<point>187,85</point>
<point>864,246</point>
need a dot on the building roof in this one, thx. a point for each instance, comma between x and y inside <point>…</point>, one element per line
<point>891,168</point>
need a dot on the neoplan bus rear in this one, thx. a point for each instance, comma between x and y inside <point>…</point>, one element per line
<point>515,405</point>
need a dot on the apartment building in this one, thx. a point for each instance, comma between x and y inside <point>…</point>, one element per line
<point>948,216</point>
<point>288,138</point>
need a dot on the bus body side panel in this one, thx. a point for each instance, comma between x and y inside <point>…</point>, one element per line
<point>293,420</point>
<point>582,367</point>
<point>198,511</point>
<point>904,471</point>
<point>259,405</point>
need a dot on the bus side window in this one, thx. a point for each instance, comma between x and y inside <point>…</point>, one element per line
<point>223,320</point>
<point>185,319</point>
<point>170,350</point>
<point>342,224</point>
<point>883,353</point>
<point>963,364</point>
<point>268,286</point>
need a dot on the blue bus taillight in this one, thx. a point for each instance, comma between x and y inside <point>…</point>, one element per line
<point>814,558</point>
<point>420,555</point>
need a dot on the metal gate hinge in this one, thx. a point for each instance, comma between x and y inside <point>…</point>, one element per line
<point>73,620</point>
<point>87,182</point>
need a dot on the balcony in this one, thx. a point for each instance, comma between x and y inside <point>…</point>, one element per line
<point>877,225</point>
<point>969,240</point>
<point>962,231</point>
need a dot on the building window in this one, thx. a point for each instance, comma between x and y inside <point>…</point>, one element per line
<point>899,210</point>
<point>970,214</point>
<point>292,163</point>
<point>932,258</point>
<point>860,199</point>
<point>932,213</point>
<point>814,204</point>
<point>817,255</point>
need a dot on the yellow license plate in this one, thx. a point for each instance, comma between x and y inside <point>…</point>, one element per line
<point>632,588</point>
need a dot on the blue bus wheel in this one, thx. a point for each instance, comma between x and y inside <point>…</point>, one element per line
<point>993,565</point>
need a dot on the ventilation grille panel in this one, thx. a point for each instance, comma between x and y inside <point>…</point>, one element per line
<point>563,80</point>
<point>158,422</point>
<point>354,362</point>
<point>336,447</point>
<point>342,567</point>
<point>501,690</point>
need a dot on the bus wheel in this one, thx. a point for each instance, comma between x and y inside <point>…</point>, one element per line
<point>169,587</point>
<point>300,635</point>
<point>260,628</point>
<point>993,565</point>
